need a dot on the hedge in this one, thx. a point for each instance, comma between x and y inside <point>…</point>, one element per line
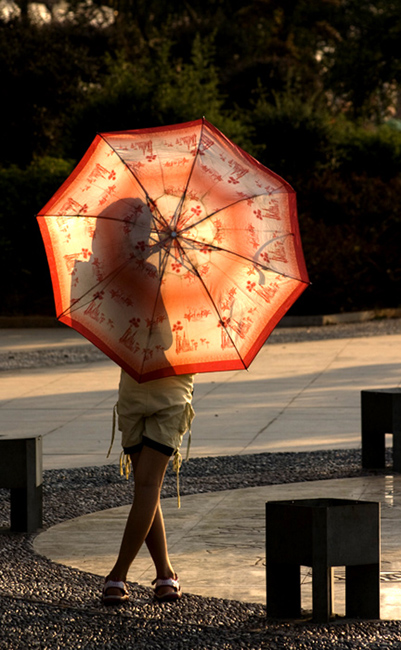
<point>348,183</point>
<point>26,287</point>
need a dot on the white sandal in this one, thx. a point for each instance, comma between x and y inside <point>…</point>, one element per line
<point>167,582</point>
<point>114,599</point>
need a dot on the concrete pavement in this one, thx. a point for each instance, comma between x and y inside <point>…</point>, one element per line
<point>217,541</point>
<point>295,397</point>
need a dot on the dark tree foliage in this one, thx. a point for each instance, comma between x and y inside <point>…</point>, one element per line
<point>303,85</point>
<point>345,51</point>
<point>364,66</point>
<point>44,72</point>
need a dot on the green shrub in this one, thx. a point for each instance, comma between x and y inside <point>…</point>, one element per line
<point>293,137</point>
<point>23,261</point>
<point>372,151</point>
<point>154,91</point>
<point>348,181</point>
<point>351,231</point>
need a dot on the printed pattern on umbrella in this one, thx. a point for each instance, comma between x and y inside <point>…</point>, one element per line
<point>173,250</point>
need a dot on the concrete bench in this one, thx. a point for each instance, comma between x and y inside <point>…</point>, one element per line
<point>21,472</point>
<point>380,414</point>
<point>322,533</point>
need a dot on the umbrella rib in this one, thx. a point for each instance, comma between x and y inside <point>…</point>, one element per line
<point>196,272</point>
<point>184,194</point>
<point>149,200</point>
<point>246,198</point>
<point>84,216</point>
<point>110,277</point>
<point>106,218</point>
<point>226,207</point>
<point>219,249</point>
<point>247,259</point>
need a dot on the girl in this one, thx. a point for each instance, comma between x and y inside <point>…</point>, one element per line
<point>153,417</point>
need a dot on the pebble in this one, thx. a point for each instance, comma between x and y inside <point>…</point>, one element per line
<point>50,606</point>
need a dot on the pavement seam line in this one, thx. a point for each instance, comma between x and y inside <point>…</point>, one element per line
<point>304,388</point>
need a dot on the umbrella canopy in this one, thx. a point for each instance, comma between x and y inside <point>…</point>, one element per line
<point>173,250</point>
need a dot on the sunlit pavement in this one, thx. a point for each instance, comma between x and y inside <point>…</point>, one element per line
<point>295,397</point>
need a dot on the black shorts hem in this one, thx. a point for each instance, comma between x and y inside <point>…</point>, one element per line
<point>148,442</point>
<point>133,450</point>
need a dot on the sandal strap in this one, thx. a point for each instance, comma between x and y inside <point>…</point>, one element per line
<point>115,584</point>
<point>166,582</point>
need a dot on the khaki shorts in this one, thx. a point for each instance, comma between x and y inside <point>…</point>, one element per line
<point>156,413</point>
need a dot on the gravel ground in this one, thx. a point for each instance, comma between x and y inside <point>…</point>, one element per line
<point>49,606</point>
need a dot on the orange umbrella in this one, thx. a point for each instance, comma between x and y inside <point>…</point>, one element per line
<point>173,250</point>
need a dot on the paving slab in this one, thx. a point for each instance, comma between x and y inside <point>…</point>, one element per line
<point>298,396</point>
<point>216,541</point>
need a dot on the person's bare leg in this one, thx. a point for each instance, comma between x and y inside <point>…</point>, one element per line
<point>156,541</point>
<point>145,516</point>
<point>149,474</point>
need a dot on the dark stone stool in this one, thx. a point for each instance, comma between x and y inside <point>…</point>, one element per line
<point>323,533</point>
<point>380,414</point>
<point>21,472</point>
